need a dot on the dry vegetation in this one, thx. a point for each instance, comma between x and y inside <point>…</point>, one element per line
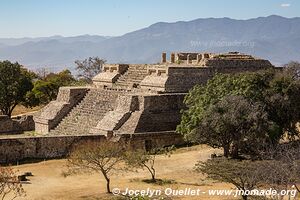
<point>49,183</point>
<point>22,110</point>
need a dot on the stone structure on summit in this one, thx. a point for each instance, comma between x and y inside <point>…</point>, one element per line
<point>137,98</point>
<point>139,103</point>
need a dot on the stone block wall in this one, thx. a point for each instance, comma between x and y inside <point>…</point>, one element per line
<point>22,148</point>
<point>109,75</point>
<point>176,79</point>
<point>182,79</point>
<point>235,63</point>
<point>16,125</point>
<point>7,125</point>
<point>25,122</point>
<point>153,114</point>
<point>113,120</point>
<point>153,139</point>
<point>52,114</point>
<point>13,150</point>
<point>160,112</point>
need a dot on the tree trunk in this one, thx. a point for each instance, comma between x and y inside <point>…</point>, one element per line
<point>235,151</point>
<point>10,110</point>
<point>297,188</point>
<point>108,186</point>
<point>9,113</point>
<point>153,174</point>
<point>107,182</point>
<point>226,151</point>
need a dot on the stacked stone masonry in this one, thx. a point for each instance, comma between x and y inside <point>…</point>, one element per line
<point>132,77</point>
<point>87,113</point>
<point>16,125</point>
<point>137,103</point>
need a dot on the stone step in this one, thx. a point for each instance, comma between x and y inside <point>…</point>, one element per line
<point>137,73</point>
<point>89,109</point>
<point>92,105</point>
<point>87,113</point>
<point>137,67</point>
<point>131,78</point>
<point>74,125</point>
<point>134,79</point>
<point>123,84</point>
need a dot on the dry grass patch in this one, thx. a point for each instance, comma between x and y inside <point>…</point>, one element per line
<point>176,172</point>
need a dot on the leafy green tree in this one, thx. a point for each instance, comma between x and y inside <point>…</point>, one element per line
<point>201,97</point>
<point>235,124</point>
<point>15,82</point>
<point>283,105</point>
<point>277,92</point>
<point>90,67</point>
<point>46,89</point>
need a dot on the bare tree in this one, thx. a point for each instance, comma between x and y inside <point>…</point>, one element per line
<point>10,186</point>
<point>278,168</point>
<point>245,175</point>
<point>90,67</point>
<point>146,159</point>
<point>102,157</point>
<point>282,165</point>
<point>42,73</point>
<point>293,69</point>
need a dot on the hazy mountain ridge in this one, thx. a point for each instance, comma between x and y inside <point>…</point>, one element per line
<point>274,37</point>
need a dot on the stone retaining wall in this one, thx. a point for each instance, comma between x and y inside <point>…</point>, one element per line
<point>13,150</point>
<point>49,116</point>
<point>17,149</point>
<point>172,79</point>
<point>16,125</point>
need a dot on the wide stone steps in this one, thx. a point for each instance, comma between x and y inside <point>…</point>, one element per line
<point>134,75</point>
<point>129,80</point>
<point>87,113</point>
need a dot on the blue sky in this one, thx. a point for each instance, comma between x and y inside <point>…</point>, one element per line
<point>34,18</point>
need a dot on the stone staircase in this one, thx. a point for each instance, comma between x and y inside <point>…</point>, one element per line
<point>132,77</point>
<point>87,113</point>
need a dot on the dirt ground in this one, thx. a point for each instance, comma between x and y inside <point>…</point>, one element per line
<point>49,183</point>
<point>19,109</point>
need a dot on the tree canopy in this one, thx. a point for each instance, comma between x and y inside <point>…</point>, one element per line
<point>90,67</point>
<point>15,82</point>
<point>102,157</point>
<point>235,124</point>
<point>262,105</point>
<point>278,169</point>
<point>46,87</point>
<point>10,186</point>
<point>143,159</point>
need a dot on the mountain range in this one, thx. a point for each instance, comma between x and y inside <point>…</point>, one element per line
<point>274,37</point>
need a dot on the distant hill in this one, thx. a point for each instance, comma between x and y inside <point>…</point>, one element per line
<point>275,38</point>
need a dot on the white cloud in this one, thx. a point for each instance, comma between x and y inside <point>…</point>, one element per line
<point>285,5</point>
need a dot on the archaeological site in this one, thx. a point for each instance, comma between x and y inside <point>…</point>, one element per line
<point>136,103</point>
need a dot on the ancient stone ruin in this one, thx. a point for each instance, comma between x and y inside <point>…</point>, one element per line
<point>139,103</point>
